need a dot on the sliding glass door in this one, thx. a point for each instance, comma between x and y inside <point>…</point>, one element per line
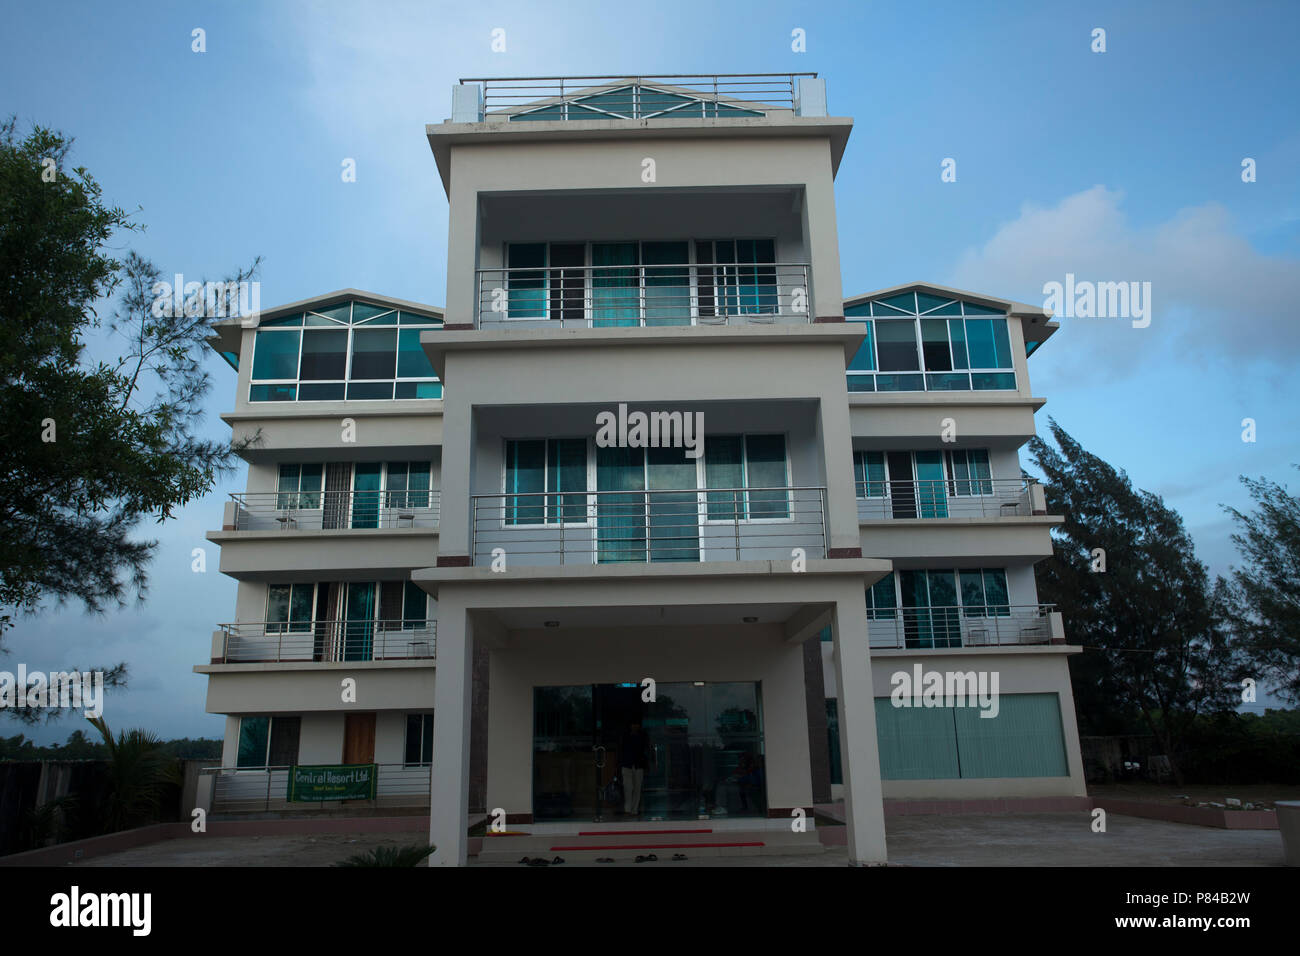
<point>620,518</point>
<point>359,622</point>
<point>615,284</point>
<point>674,517</point>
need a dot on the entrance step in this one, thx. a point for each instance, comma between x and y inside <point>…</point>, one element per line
<point>626,845</point>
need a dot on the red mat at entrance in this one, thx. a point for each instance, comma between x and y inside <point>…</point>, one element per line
<point>653,846</point>
<point>635,832</point>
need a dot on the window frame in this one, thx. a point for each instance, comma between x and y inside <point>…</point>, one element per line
<point>305,326</point>
<point>879,309</point>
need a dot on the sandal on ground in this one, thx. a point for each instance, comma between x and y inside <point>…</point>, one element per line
<point>679,856</point>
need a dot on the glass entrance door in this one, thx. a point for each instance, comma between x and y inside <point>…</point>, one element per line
<point>704,747</point>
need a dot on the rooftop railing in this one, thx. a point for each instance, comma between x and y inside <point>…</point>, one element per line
<point>613,527</point>
<point>330,510</point>
<point>646,295</point>
<point>716,95</point>
<point>324,641</point>
<point>957,498</point>
<point>979,626</point>
<point>250,789</point>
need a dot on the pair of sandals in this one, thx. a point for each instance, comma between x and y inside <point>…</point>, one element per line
<point>541,861</point>
<point>651,858</point>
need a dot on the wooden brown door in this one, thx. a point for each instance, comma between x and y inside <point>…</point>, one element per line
<point>359,738</point>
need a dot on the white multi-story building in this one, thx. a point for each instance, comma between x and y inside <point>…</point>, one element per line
<point>802,500</point>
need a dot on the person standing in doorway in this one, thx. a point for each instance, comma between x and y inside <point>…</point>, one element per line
<point>633,757</point>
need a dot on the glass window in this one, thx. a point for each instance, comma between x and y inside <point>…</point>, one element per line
<point>896,345</point>
<point>864,359</point>
<point>412,362</point>
<point>869,469</point>
<point>324,354</point>
<point>254,739</point>
<point>882,600</point>
<point>968,472</point>
<point>538,465</point>
<point>275,355</point>
<point>526,294</point>
<point>299,486</point>
<point>752,462</point>
<point>724,468</point>
<point>566,471</point>
<point>374,354</point>
<point>984,592</point>
<point>415,606</point>
<point>407,484</point>
<point>765,468</point>
<point>934,345</point>
<point>289,607</point>
<point>526,479</point>
<point>419,740</point>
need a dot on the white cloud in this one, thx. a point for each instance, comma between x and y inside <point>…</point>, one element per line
<point>1215,298</point>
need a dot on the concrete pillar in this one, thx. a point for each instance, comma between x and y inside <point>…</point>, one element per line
<point>859,749</point>
<point>455,518</point>
<point>449,785</point>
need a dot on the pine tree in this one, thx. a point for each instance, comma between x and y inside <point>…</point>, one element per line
<point>1126,579</point>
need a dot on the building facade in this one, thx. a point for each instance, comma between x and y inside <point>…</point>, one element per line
<point>648,485</point>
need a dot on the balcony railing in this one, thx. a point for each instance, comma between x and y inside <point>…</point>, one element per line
<point>293,641</point>
<point>329,510</point>
<point>236,789</point>
<point>963,498</point>
<point>667,96</point>
<point>646,295</point>
<point>938,627</point>
<point>615,527</point>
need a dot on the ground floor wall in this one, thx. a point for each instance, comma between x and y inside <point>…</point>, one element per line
<point>940,747</point>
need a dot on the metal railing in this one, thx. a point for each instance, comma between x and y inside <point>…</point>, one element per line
<point>279,641</point>
<point>245,789</point>
<point>612,527</point>
<point>328,510</point>
<point>639,97</point>
<point>981,626</point>
<point>944,498</point>
<point>646,295</point>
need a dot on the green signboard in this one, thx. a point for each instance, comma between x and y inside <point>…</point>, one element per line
<point>354,781</point>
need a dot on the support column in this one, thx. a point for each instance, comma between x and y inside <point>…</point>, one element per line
<point>859,748</point>
<point>449,785</point>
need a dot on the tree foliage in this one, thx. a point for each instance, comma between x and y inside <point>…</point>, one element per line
<point>88,448</point>
<point>1262,598</point>
<point>1156,650</point>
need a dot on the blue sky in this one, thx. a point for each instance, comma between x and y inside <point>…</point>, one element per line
<point>1115,166</point>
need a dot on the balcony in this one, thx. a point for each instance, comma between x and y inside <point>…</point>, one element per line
<point>951,627</point>
<point>259,789</point>
<point>613,527</point>
<point>671,96</point>
<point>325,641</point>
<point>947,498</point>
<point>334,510</point>
<point>645,295</point>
